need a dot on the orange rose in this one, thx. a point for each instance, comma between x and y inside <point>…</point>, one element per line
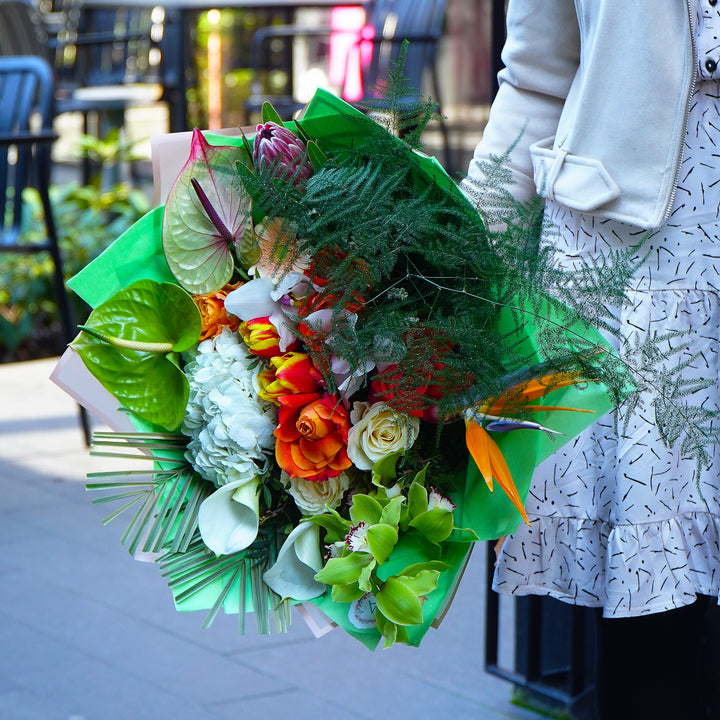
<point>213,313</point>
<point>290,374</point>
<point>312,437</point>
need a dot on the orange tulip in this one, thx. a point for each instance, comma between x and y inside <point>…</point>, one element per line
<point>261,337</point>
<point>312,437</point>
<point>290,374</point>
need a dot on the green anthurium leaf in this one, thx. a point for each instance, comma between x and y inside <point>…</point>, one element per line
<point>247,249</point>
<point>316,156</point>
<point>421,583</point>
<point>391,512</point>
<point>205,217</point>
<point>398,603</point>
<point>270,114</point>
<point>384,472</point>
<point>346,593</point>
<point>382,539</point>
<point>365,509</point>
<point>344,570</point>
<point>129,344</point>
<point>336,527</point>
<point>417,499</point>
<point>436,524</point>
<point>364,581</point>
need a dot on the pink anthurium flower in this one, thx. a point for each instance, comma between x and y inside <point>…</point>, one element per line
<point>205,218</point>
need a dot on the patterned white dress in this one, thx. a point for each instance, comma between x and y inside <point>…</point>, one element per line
<point>618,522</point>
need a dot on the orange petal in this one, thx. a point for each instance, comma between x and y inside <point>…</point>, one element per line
<point>283,455</point>
<point>320,452</point>
<point>538,387</point>
<point>549,408</point>
<point>503,476</point>
<point>476,439</point>
<point>340,462</point>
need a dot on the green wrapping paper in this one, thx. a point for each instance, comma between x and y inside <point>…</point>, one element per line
<point>138,254</point>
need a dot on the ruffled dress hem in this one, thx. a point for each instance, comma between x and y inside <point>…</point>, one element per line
<point>628,570</point>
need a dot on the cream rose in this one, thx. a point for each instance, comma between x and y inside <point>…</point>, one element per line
<point>312,497</point>
<point>377,431</point>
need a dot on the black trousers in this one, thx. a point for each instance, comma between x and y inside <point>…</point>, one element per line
<point>651,667</point>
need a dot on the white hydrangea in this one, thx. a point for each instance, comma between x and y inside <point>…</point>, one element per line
<point>229,425</point>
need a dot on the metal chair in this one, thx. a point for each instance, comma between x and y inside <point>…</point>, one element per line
<point>102,60</point>
<point>393,21</point>
<point>26,136</point>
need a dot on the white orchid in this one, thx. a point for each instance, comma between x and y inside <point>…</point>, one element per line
<point>261,298</point>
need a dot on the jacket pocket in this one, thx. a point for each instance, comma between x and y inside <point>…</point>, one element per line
<point>577,182</point>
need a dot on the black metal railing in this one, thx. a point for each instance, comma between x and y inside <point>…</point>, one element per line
<point>554,650</point>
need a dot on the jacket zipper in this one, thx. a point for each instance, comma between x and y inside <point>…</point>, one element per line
<point>681,153</point>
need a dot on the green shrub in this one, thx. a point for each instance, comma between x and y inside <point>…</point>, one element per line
<point>88,219</point>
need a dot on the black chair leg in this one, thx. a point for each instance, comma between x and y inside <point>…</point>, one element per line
<point>67,323</point>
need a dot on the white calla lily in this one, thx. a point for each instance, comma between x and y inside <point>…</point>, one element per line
<point>299,559</point>
<point>228,519</point>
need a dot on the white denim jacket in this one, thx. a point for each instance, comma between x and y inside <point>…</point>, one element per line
<point>598,92</point>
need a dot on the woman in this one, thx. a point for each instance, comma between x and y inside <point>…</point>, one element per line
<point>615,104</point>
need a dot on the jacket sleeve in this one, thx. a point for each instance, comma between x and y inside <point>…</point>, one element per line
<point>541,57</point>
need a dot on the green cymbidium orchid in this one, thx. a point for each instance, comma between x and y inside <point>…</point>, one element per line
<point>366,542</point>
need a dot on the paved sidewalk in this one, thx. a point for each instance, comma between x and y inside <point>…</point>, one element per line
<point>89,634</point>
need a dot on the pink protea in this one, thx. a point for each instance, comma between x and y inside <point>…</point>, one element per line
<point>277,147</point>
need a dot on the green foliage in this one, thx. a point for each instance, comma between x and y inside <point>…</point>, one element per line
<point>88,219</point>
<point>397,107</point>
<point>163,504</point>
<point>190,572</point>
<point>366,541</point>
<point>430,277</point>
<point>565,303</point>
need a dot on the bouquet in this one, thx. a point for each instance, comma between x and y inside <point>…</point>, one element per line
<point>327,361</point>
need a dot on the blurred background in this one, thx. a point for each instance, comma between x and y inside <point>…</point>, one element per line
<point>123,74</point>
<point>84,85</point>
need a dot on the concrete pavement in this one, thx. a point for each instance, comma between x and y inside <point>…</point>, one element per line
<point>89,634</point>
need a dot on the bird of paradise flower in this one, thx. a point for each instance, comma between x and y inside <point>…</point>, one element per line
<point>485,451</point>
